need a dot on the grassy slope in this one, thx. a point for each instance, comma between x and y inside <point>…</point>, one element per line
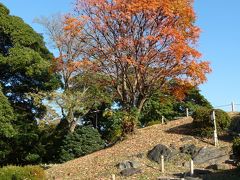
<point>101,164</point>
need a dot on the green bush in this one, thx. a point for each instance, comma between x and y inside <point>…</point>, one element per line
<point>236,148</point>
<point>118,124</point>
<point>203,124</point>
<point>83,141</point>
<point>20,173</point>
<point>156,107</point>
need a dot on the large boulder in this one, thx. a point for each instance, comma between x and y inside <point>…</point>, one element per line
<point>190,149</point>
<point>158,151</point>
<point>210,155</point>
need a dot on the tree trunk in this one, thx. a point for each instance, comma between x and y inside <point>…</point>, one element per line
<point>71,122</point>
<point>140,106</point>
<point>72,126</point>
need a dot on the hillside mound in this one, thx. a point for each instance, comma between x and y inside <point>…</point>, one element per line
<point>102,164</point>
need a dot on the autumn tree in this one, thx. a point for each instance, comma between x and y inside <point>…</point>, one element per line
<point>79,92</point>
<point>65,35</point>
<point>142,45</point>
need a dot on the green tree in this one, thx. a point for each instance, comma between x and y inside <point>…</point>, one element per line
<point>6,128</point>
<point>193,100</point>
<point>24,68</point>
<point>164,104</point>
<point>83,141</point>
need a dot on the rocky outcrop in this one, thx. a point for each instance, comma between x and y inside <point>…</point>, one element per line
<point>127,164</point>
<point>158,151</point>
<point>190,149</point>
<point>210,155</point>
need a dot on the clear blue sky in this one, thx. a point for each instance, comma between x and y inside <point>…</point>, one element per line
<point>219,42</point>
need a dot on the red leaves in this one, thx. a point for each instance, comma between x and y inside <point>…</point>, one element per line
<point>63,63</point>
<point>143,44</point>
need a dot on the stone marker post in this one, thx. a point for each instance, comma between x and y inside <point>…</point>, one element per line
<point>233,107</point>
<point>191,168</point>
<point>215,129</point>
<point>162,164</point>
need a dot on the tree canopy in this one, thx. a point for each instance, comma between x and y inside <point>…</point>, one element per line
<point>24,61</point>
<point>7,130</point>
<point>142,45</point>
<point>24,68</point>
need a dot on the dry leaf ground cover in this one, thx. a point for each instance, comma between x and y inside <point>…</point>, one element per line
<point>100,165</point>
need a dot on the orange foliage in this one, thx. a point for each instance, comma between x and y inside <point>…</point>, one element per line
<point>142,44</point>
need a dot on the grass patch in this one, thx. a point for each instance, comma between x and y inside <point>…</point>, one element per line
<point>20,173</point>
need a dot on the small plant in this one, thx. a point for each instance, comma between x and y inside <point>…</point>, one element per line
<point>236,148</point>
<point>203,123</point>
<point>19,173</point>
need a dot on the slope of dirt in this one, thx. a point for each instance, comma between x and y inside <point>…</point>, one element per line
<point>101,164</point>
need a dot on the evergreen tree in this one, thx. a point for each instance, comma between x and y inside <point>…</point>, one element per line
<point>25,67</point>
<point>6,129</point>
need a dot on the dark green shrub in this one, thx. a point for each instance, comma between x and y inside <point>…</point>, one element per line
<point>193,100</point>
<point>118,124</point>
<point>156,107</point>
<point>236,148</point>
<point>203,124</point>
<point>235,124</point>
<point>163,104</point>
<point>20,173</point>
<point>83,141</point>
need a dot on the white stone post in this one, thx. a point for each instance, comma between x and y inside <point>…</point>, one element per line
<point>113,177</point>
<point>187,112</point>
<point>191,168</point>
<point>162,164</point>
<point>215,136</point>
<point>162,119</point>
<point>233,107</point>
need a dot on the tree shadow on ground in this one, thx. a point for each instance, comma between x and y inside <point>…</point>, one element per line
<point>232,174</point>
<point>189,130</point>
<point>185,129</point>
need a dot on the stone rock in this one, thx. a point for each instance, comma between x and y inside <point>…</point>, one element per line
<point>168,178</point>
<point>173,146</point>
<point>130,171</point>
<point>200,172</point>
<point>127,164</point>
<point>159,150</point>
<point>140,155</point>
<point>190,149</point>
<point>188,138</point>
<point>218,167</point>
<point>210,155</point>
<point>192,178</point>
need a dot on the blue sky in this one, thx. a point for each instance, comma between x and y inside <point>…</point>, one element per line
<point>219,41</point>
